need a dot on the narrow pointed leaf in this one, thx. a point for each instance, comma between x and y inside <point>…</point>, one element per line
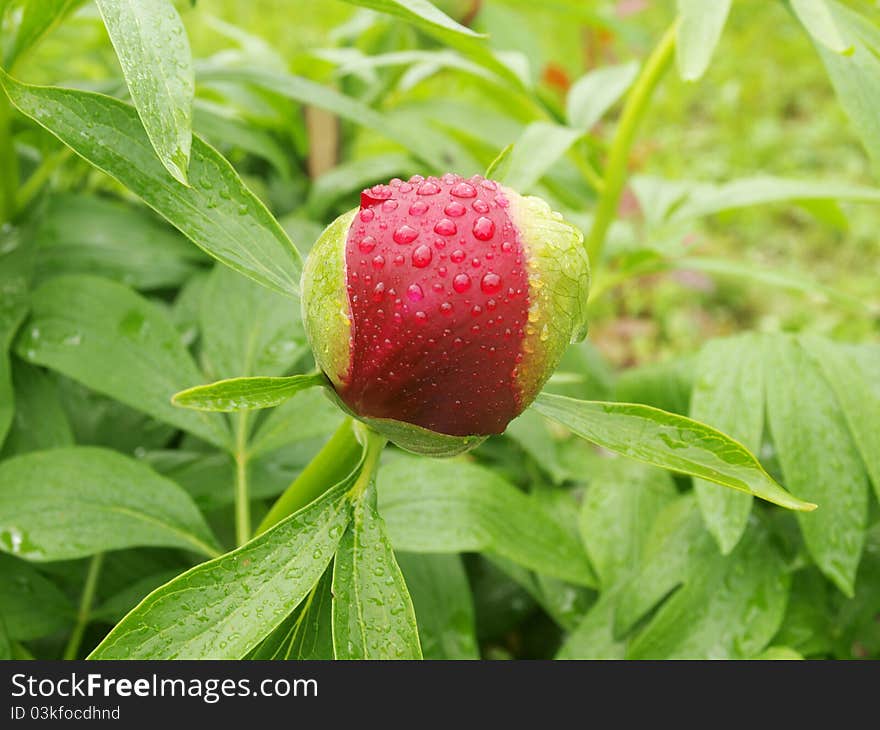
<point>818,459</point>
<point>596,92</point>
<point>699,30</point>
<point>817,18</point>
<point>373,615</point>
<point>222,609</point>
<point>729,395</point>
<point>216,212</point>
<point>76,501</point>
<point>420,12</point>
<point>153,50</point>
<point>38,17</point>
<point>245,394</point>
<point>669,441</point>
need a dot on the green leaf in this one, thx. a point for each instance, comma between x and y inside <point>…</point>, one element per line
<point>5,646</point>
<point>668,441</point>
<point>247,329</point>
<point>216,212</point>
<point>530,431</point>
<point>116,342</point>
<point>699,30</point>
<point>111,502</point>
<point>308,631</point>
<point>38,17</point>
<point>854,375</point>
<point>856,76</point>
<point>40,421</point>
<point>622,502</point>
<point>419,12</point>
<point>151,44</point>
<point>31,605</point>
<point>222,609</point>
<point>703,199</point>
<point>453,506</point>
<point>15,274</point>
<point>596,92</point>
<point>816,17</point>
<point>779,653</point>
<point>245,394</point>
<point>729,395</point>
<point>537,149</point>
<point>84,234</point>
<point>308,92</point>
<point>818,459</point>
<point>373,615</point>
<point>444,608</point>
<point>729,608</point>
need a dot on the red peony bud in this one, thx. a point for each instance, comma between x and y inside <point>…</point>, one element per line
<point>443,304</point>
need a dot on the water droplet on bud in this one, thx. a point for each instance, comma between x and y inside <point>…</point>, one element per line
<point>421,257</point>
<point>405,234</point>
<point>484,228</point>
<point>461,283</point>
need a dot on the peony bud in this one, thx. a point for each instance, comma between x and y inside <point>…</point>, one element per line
<point>440,307</point>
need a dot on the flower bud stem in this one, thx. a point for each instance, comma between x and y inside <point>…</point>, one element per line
<point>618,157</point>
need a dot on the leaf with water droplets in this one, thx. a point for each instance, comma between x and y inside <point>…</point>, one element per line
<point>373,615</point>
<point>728,393</point>
<point>217,212</point>
<point>853,372</point>
<point>31,605</point>
<point>116,342</point>
<point>224,608</point>
<point>77,501</point>
<point>453,506</point>
<point>818,459</point>
<point>307,633</point>
<point>245,394</point>
<point>444,607</point>
<point>669,441</point>
<point>153,50</point>
<point>729,607</point>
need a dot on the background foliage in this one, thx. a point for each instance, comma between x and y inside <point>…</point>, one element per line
<point>735,281</point>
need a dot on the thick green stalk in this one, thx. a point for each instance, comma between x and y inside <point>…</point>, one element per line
<point>618,157</point>
<point>242,497</point>
<point>8,162</point>
<point>85,607</point>
<point>373,444</point>
<point>335,461</point>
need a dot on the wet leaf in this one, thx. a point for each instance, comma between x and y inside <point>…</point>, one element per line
<point>73,502</point>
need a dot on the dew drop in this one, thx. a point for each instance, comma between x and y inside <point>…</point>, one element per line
<point>405,234</point>
<point>455,209</point>
<point>463,190</point>
<point>501,201</point>
<point>405,187</point>
<point>476,310</point>
<point>489,185</point>
<point>491,284</point>
<point>420,207</point>
<point>461,283</point>
<point>421,257</point>
<point>457,256</point>
<point>379,292</point>
<point>484,228</point>
<point>475,262</point>
<point>381,192</point>
<point>449,178</point>
<point>480,205</point>
<point>421,317</point>
<point>428,188</point>
<point>445,227</point>
<point>441,272</point>
<point>414,293</point>
<point>399,259</point>
<point>389,205</point>
<point>507,246</point>
<point>378,262</point>
<point>367,244</point>
<point>446,308</point>
<point>366,215</point>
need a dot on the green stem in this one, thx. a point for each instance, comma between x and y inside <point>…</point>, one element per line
<point>38,178</point>
<point>618,157</point>
<point>85,607</point>
<point>242,498</point>
<point>335,461</point>
<point>8,162</point>
<point>373,444</point>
